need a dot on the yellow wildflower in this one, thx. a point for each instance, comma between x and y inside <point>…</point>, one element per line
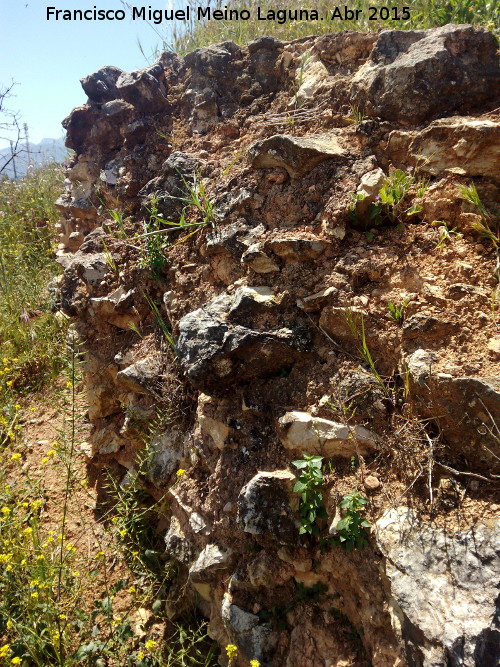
<point>5,510</point>
<point>123,532</point>
<point>15,457</point>
<point>140,655</point>
<point>17,406</point>
<point>44,460</point>
<point>4,650</point>
<point>254,663</point>
<point>150,645</point>
<point>51,452</point>
<point>16,661</point>
<point>180,472</point>
<point>232,651</point>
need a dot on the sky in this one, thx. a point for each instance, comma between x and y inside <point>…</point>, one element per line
<point>47,59</point>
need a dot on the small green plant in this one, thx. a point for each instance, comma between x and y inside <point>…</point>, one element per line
<point>397,312</point>
<point>197,198</point>
<point>389,204</point>
<point>484,226</point>
<point>356,323</point>
<point>355,115</point>
<point>109,257</point>
<point>393,191</point>
<point>351,527</point>
<point>300,79</point>
<point>309,485</point>
<point>445,234</point>
<point>161,322</point>
<point>118,229</point>
<point>155,243</point>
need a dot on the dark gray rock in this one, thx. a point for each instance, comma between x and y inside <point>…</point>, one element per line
<point>101,85</point>
<point>264,506</point>
<point>444,590</point>
<point>418,75</point>
<point>176,544</point>
<point>212,61</point>
<point>297,155</point>
<point>264,53</point>
<point>255,640</point>
<point>167,188</point>
<point>143,89</point>
<point>117,109</point>
<point>167,452</point>
<point>219,341</point>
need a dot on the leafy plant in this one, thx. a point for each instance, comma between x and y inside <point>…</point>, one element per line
<point>389,203</point>
<point>351,528</point>
<point>445,233</point>
<point>309,485</point>
<point>397,312</point>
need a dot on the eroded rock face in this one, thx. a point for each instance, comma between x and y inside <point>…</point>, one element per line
<point>444,589</point>
<point>218,341</point>
<point>434,72</point>
<point>273,307</point>
<point>469,146</point>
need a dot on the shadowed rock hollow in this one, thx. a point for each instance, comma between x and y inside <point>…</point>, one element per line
<point>311,184</point>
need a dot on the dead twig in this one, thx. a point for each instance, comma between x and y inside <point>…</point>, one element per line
<point>465,474</point>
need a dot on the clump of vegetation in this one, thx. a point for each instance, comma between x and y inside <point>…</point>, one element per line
<point>356,323</point>
<point>309,485</point>
<point>351,528</point>
<point>488,227</point>
<point>31,337</point>
<point>445,233</point>
<point>397,311</point>
<point>390,205</point>
<point>422,14</point>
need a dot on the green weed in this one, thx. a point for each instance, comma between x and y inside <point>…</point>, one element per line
<point>445,234</point>
<point>484,227</point>
<point>397,312</point>
<point>161,322</point>
<point>309,485</point>
<point>423,14</point>
<point>356,324</point>
<point>351,528</point>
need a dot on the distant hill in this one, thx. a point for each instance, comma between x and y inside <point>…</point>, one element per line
<point>48,150</point>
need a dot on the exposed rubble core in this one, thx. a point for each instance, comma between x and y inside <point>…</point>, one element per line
<point>304,186</point>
